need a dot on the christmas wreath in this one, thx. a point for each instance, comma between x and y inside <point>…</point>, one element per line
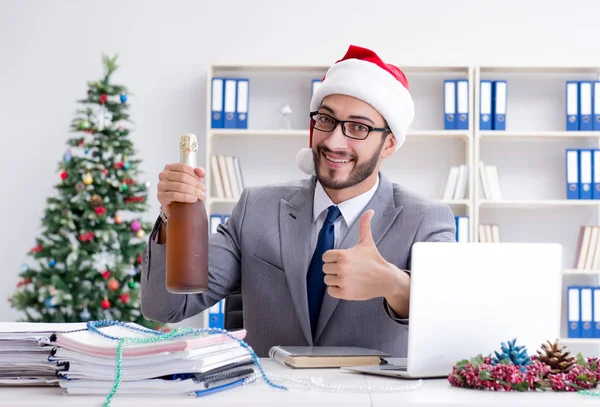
<point>512,369</point>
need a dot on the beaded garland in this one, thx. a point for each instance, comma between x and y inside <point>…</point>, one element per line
<point>157,336</point>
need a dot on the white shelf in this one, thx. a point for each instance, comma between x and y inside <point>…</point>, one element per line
<point>541,203</point>
<point>536,134</point>
<point>580,341</point>
<point>581,272</point>
<point>461,134</point>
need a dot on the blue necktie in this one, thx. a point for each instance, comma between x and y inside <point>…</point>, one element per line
<point>314,280</point>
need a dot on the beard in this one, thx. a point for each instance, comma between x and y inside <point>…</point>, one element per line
<point>358,174</point>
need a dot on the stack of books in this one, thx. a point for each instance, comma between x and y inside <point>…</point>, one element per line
<point>111,358</point>
<point>176,366</point>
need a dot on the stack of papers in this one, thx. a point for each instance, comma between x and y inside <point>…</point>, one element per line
<point>24,355</point>
<point>188,365</point>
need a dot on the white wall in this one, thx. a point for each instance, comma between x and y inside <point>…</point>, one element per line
<point>50,49</point>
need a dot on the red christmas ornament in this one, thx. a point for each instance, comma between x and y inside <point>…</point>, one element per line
<point>105,274</point>
<point>113,284</point>
<point>64,175</point>
<point>103,98</point>
<point>105,304</point>
<point>139,258</point>
<point>119,165</point>
<point>36,249</point>
<point>105,171</point>
<point>124,298</point>
<point>100,210</point>
<point>86,237</point>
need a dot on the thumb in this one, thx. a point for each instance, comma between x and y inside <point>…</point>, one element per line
<point>366,238</point>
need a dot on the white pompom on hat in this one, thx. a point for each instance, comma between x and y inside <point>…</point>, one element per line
<point>363,75</point>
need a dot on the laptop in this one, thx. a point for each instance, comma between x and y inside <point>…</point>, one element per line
<point>468,298</point>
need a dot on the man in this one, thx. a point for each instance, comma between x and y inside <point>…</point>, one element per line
<point>321,261</point>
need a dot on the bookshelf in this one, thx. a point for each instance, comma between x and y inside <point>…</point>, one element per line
<point>530,157</point>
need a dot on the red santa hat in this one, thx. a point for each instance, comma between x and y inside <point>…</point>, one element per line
<point>363,75</point>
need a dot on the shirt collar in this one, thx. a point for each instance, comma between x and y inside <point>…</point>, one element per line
<point>350,209</point>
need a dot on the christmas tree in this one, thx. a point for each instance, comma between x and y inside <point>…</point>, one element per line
<point>88,256</point>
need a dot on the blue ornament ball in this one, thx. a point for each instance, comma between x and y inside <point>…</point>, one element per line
<point>85,315</point>
<point>123,98</point>
<point>24,267</point>
<point>86,151</point>
<point>67,157</point>
<point>49,303</point>
<point>52,263</point>
<point>126,166</point>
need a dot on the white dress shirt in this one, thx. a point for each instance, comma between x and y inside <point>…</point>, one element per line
<point>350,211</point>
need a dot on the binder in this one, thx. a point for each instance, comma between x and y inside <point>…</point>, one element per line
<point>462,104</point>
<point>596,312</point>
<point>585,106</point>
<point>241,109</point>
<point>485,105</point>
<point>572,105</point>
<point>573,312</point>
<point>585,174</point>
<point>217,103</point>
<point>230,93</point>
<point>596,104</point>
<point>216,317</point>
<point>499,95</point>
<point>449,104</point>
<point>596,171</point>
<point>586,312</point>
<point>572,173</point>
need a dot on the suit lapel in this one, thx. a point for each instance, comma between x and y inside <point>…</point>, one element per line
<point>385,214</point>
<point>295,224</point>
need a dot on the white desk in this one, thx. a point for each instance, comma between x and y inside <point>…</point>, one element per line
<point>430,393</point>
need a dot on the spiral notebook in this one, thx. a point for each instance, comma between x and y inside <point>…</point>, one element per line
<point>326,356</point>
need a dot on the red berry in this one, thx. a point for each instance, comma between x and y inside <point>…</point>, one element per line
<point>105,304</point>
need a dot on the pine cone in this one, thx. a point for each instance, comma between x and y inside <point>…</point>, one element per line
<point>556,357</point>
<point>96,201</point>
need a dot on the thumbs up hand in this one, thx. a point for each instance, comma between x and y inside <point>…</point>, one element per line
<point>358,273</point>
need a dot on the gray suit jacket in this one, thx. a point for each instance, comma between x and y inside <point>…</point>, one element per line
<point>264,246</point>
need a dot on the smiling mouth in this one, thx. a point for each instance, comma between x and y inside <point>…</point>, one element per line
<point>336,160</point>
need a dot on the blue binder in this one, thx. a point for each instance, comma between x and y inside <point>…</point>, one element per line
<point>572,173</point>
<point>585,106</point>
<point>596,99</point>
<point>485,105</point>
<point>573,311</point>
<point>241,108</point>
<point>230,95</point>
<point>499,102</point>
<point>572,106</point>
<point>449,104</point>
<point>216,317</point>
<point>462,104</point>
<point>596,312</point>
<point>587,312</point>
<point>586,172</point>
<point>596,173</point>
<point>218,86</point>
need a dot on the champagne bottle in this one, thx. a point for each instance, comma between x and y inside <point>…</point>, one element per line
<point>187,236</point>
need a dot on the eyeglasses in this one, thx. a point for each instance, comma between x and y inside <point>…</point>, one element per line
<point>351,129</point>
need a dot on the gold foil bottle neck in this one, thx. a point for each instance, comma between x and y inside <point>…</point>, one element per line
<point>188,147</point>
